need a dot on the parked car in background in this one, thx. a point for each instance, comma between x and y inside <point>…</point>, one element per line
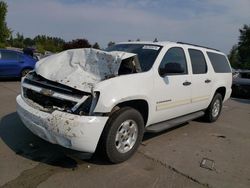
<point>15,64</point>
<point>241,84</point>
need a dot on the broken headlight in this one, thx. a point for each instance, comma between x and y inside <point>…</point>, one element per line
<point>88,106</point>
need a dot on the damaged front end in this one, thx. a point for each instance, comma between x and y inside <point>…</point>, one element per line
<point>60,114</point>
<point>58,98</point>
<point>48,96</point>
<point>66,81</point>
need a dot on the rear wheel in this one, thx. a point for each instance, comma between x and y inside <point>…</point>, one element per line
<point>122,135</point>
<point>214,109</point>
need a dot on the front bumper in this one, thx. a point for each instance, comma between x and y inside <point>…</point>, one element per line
<point>76,132</point>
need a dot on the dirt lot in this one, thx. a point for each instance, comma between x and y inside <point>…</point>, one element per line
<point>169,159</point>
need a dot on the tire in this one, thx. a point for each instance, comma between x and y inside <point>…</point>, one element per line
<point>213,111</point>
<point>24,72</point>
<point>122,135</point>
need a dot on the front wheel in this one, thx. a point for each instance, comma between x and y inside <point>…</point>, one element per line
<point>122,135</point>
<point>214,109</point>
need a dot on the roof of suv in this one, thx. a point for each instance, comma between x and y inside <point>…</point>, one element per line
<point>164,43</point>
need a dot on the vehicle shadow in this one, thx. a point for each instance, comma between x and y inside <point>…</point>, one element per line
<point>9,79</point>
<point>24,143</point>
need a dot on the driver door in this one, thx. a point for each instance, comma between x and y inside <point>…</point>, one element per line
<point>172,96</point>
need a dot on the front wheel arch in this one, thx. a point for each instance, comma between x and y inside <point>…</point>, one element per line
<point>140,105</point>
<point>106,145</point>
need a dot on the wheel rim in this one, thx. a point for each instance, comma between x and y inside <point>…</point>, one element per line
<point>26,71</point>
<point>126,136</point>
<point>216,108</point>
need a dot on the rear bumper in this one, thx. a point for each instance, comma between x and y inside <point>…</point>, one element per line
<point>76,132</point>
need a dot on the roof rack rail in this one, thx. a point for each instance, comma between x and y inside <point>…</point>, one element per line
<point>198,46</point>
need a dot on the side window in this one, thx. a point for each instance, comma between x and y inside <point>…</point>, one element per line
<point>199,65</point>
<point>5,55</point>
<point>173,56</point>
<point>219,62</point>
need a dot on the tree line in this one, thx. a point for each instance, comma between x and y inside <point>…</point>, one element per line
<point>44,43</point>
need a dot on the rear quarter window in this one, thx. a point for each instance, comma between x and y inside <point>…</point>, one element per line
<point>219,62</point>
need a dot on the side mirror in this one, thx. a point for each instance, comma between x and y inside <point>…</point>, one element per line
<point>172,68</point>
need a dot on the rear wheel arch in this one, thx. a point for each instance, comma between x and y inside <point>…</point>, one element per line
<point>222,91</point>
<point>214,109</point>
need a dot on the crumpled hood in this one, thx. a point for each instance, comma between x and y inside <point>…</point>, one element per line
<point>82,68</point>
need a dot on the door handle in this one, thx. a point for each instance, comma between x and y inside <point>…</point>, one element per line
<point>207,81</point>
<point>186,83</point>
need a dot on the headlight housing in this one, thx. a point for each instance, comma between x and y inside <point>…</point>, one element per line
<point>88,106</point>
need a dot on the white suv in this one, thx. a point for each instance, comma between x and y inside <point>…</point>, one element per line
<point>86,99</point>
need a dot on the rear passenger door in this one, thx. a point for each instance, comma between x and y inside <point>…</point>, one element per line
<point>201,80</point>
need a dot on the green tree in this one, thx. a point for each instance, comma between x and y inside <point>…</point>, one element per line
<point>111,43</point>
<point>77,43</point>
<point>233,57</point>
<point>244,46</point>
<point>53,44</point>
<point>96,46</point>
<point>18,40</point>
<point>4,30</point>
<point>239,55</point>
<point>28,42</point>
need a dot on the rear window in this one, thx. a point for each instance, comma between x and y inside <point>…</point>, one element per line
<point>8,55</point>
<point>219,62</point>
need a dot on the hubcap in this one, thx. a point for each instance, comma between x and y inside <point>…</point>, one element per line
<point>216,108</point>
<point>126,136</point>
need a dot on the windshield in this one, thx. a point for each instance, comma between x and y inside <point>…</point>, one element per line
<point>146,53</point>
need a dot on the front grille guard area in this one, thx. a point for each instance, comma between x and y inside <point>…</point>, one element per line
<point>37,80</point>
<point>52,96</point>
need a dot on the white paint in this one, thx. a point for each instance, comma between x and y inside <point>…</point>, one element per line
<point>152,88</point>
<point>75,67</point>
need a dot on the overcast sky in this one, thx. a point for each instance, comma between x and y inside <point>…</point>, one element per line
<point>213,23</point>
